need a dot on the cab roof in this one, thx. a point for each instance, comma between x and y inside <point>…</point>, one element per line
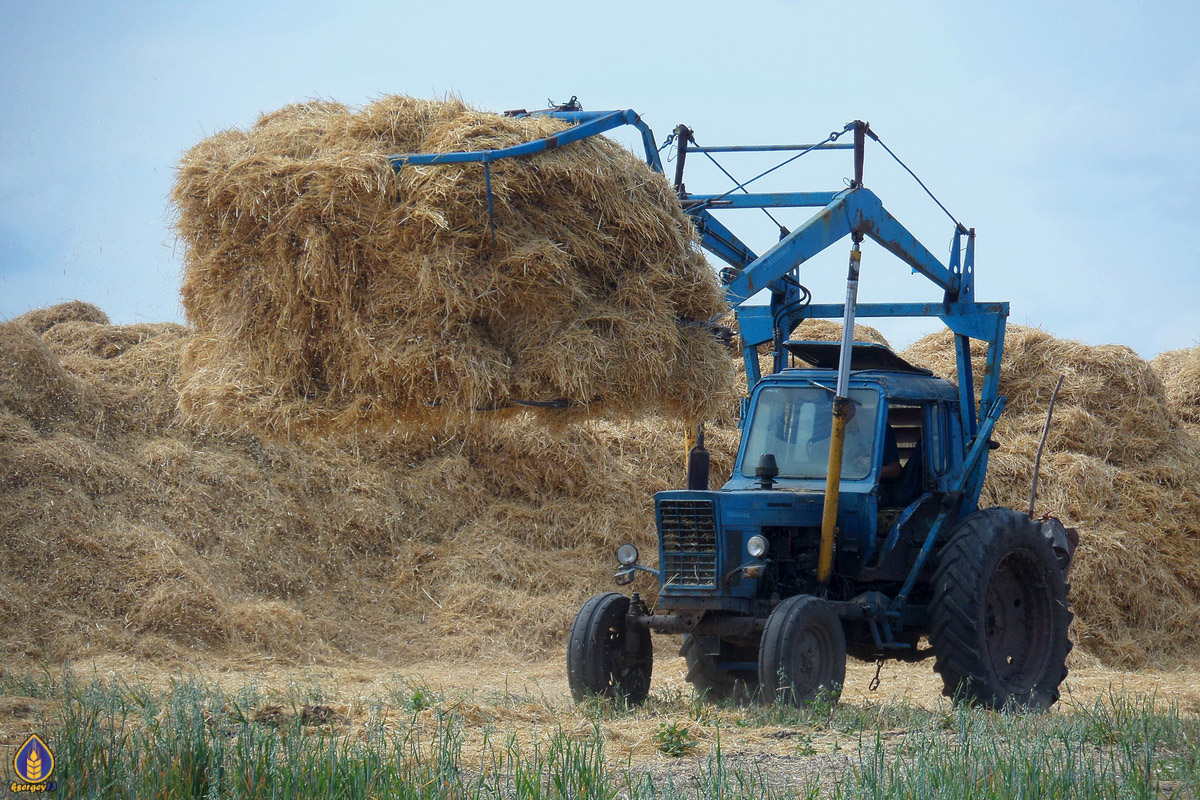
<point>869,363</point>
<point>863,356</point>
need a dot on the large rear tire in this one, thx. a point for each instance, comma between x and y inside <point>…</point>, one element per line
<point>802,656</point>
<point>999,613</point>
<point>600,662</point>
<point>711,683</point>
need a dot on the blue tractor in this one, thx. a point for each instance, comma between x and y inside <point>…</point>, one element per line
<point>850,524</point>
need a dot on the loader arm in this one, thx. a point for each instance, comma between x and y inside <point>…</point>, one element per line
<point>851,211</point>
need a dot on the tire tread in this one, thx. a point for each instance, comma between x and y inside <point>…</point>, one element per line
<point>956,635</point>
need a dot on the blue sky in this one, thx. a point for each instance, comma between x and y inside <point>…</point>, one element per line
<point>1066,133</point>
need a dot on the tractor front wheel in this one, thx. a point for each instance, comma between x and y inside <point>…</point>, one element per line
<point>802,656</point>
<point>605,658</point>
<point>999,613</point>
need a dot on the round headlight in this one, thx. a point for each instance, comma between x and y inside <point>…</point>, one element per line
<point>756,546</point>
<point>627,554</point>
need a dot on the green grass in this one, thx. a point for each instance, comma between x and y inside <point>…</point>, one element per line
<point>193,740</point>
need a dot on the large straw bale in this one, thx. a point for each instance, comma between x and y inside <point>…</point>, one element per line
<point>1118,466</point>
<point>328,293</point>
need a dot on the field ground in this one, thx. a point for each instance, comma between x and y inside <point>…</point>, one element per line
<point>509,729</point>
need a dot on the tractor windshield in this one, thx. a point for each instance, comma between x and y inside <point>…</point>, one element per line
<point>793,423</point>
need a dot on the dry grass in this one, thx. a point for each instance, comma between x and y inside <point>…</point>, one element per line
<point>814,330</point>
<point>830,330</point>
<point>41,320</point>
<point>329,294</point>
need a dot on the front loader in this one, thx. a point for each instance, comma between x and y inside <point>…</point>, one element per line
<point>850,524</point>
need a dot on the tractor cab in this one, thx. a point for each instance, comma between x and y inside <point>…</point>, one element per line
<point>900,440</point>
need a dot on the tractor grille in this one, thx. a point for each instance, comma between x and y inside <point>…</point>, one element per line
<point>689,543</point>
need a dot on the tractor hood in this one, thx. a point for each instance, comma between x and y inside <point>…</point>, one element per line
<point>703,537</point>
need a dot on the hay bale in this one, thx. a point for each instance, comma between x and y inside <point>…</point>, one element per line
<point>328,293</point>
<point>1111,405</point>
<point>33,383</point>
<point>103,340</point>
<point>1118,466</point>
<point>1179,371</point>
<point>830,330</point>
<point>41,320</point>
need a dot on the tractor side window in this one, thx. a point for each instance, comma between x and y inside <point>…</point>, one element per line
<point>904,421</point>
<point>900,483</point>
<point>794,423</point>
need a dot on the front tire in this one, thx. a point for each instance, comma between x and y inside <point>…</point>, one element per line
<point>999,613</point>
<point>600,662</point>
<point>802,656</point>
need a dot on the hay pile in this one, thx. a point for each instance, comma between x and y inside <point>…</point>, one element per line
<point>1120,467</point>
<point>329,294</point>
<point>830,330</point>
<point>1180,374</point>
<point>814,330</point>
<point>127,531</point>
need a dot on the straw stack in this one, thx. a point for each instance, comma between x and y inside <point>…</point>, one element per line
<point>330,294</point>
<point>129,532</point>
<point>1180,374</point>
<point>1118,465</point>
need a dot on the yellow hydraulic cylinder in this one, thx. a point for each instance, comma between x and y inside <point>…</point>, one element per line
<point>843,410</point>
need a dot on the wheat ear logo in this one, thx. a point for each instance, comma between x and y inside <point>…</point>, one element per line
<point>34,762</point>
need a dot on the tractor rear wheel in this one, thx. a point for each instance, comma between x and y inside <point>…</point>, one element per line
<point>711,683</point>
<point>604,657</point>
<point>999,613</point>
<point>802,656</point>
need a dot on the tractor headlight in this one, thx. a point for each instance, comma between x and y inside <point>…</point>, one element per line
<point>627,554</point>
<point>756,546</point>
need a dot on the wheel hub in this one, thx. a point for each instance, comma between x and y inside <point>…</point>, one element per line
<point>1018,621</point>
